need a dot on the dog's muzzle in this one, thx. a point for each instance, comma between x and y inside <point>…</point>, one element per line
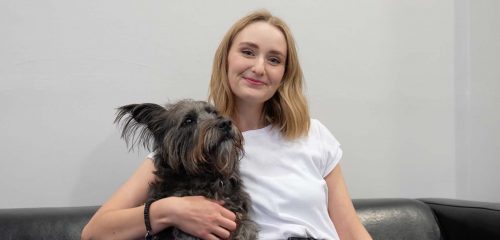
<point>225,125</point>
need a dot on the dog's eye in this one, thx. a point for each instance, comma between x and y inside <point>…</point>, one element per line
<point>188,121</point>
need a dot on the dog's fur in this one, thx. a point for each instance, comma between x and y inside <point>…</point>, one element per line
<point>196,153</point>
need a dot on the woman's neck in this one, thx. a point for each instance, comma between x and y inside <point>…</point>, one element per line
<point>249,117</point>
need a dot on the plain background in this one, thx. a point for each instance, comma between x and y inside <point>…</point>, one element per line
<point>409,88</point>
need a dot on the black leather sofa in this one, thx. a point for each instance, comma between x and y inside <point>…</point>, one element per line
<point>385,219</point>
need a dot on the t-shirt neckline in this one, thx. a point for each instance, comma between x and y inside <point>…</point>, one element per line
<point>257,131</point>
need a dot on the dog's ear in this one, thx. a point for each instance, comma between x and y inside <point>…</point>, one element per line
<point>142,123</point>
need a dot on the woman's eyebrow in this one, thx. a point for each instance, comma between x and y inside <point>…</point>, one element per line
<point>276,52</point>
<point>251,44</point>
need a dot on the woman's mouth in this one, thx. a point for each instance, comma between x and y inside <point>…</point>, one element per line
<point>253,81</point>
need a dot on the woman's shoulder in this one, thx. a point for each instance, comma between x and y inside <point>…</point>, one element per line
<point>316,126</point>
<point>318,129</point>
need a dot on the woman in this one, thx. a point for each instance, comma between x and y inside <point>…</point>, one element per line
<point>290,167</point>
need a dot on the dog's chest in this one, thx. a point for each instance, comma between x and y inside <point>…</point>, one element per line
<point>213,188</point>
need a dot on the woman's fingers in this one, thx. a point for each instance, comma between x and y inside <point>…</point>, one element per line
<point>221,233</point>
<point>228,222</point>
<point>228,214</point>
<point>205,218</point>
<point>228,218</point>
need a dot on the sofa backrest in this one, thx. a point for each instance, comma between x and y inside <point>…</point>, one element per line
<point>385,219</point>
<point>44,223</point>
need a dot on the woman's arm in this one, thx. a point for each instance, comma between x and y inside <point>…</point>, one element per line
<point>122,216</point>
<point>341,209</point>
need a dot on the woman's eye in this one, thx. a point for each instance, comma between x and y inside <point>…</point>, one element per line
<point>274,60</point>
<point>247,52</point>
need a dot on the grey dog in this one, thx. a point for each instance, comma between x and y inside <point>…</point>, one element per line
<point>196,153</point>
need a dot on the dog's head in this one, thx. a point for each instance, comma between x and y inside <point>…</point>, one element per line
<point>188,136</point>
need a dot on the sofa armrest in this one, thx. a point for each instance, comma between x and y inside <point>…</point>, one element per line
<point>460,219</point>
<point>398,218</point>
<point>44,223</point>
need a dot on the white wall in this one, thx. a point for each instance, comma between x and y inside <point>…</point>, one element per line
<point>478,102</point>
<point>381,75</point>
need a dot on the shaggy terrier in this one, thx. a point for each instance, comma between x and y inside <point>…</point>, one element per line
<point>196,153</point>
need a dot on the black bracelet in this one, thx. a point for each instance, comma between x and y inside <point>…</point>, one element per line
<point>148,236</point>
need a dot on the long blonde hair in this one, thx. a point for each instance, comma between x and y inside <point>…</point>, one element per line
<point>287,109</point>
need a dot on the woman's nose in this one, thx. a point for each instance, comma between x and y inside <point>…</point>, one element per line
<point>259,66</point>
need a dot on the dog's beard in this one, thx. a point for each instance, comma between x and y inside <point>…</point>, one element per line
<point>207,149</point>
<point>225,157</point>
<point>221,148</point>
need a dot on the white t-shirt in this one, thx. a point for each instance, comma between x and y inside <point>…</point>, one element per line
<point>285,180</point>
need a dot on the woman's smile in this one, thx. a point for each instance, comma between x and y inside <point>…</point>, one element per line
<point>253,81</point>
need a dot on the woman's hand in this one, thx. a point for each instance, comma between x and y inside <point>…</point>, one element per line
<point>198,216</point>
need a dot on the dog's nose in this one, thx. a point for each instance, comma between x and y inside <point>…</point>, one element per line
<point>225,125</point>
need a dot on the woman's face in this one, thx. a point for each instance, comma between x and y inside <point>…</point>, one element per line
<point>256,63</point>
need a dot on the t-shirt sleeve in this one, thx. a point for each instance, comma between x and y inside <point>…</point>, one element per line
<point>331,149</point>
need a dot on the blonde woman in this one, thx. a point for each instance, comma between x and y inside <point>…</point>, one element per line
<point>290,167</point>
